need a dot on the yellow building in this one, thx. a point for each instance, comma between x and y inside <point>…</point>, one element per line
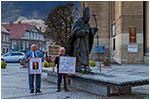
<point>124,30</point>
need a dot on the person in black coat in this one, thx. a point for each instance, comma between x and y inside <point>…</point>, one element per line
<point>62,53</point>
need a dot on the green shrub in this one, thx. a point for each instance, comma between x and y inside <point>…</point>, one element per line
<point>45,64</point>
<point>92,63</point>
<point>3,64</point>
<point>51,64</point>
<point>48,64</point>
<point>106,62</point>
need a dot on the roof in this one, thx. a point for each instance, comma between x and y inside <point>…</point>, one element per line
<point>17,30</point>
<point>4,30</point>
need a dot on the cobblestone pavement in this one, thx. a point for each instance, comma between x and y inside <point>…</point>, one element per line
<point>14,85</point>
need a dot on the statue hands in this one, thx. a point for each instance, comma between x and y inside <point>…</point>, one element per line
<point>96,29</point>
<point>84,32</point>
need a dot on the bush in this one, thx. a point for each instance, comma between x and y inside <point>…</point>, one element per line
<point>106,62</point>
<point>51,64</point>
<point>48,65</point>
<point>3,64</point>
<point>45,64</point>
<point>92,63</point>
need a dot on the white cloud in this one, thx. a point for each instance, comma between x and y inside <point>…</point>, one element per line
<point>39,23</point>
<point>35,14</point>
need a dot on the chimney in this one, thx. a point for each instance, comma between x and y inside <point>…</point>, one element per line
<point>40,28</point>
<point>8,30</point>
<point>10,23</point>
<point>19,22</point>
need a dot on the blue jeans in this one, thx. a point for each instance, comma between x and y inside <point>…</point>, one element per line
<point>31,81</point>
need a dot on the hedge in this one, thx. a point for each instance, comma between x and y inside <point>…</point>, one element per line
<point>3,64</point>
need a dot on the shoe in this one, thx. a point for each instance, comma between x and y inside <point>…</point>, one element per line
<point>58,90</point>
<point>32,91</point>
<point>66,89</point>
<point>38,91</point>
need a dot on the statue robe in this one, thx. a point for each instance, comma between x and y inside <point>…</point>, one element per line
<point>80,44</point>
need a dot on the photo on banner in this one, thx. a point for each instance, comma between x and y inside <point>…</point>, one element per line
<point>35,65</point>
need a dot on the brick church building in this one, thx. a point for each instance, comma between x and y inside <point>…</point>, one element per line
<point>124,30</point>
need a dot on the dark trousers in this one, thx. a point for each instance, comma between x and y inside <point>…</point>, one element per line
<point>60,80</point>
<point>31,81</point>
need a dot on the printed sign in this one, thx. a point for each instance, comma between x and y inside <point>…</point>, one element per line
<point>132,48</point>
<point>35,66</point>
<point>67,65</point>
<point>99,49</point>
<point>53,50</point>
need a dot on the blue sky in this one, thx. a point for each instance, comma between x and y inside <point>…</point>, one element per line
<point>11,10</point>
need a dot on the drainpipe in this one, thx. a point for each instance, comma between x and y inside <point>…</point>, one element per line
<point>109,27</point>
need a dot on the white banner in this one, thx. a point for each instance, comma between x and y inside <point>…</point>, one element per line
<point>67,65</point>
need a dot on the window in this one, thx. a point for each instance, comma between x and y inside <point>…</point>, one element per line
<point>3,37</point>
<point>17,54</point>
<point>42,37</point>
<point>3,50</point>
<point>7,54</point>
<point>32,35</point>
<point>113,30</point>
<point>27,46</point>
<point>39,43</point>
<point>13,44</point>
<point>23,46</point>
<point>114,44</point>
<point>7,50</point>
<point>36,35</point>
<point>29,34</point>
<point>7,38</point>
<point>24,35</point>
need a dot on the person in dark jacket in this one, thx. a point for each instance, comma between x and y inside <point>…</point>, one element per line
<point>62,53</point>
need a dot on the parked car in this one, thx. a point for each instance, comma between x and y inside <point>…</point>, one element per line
<point>13,56</point>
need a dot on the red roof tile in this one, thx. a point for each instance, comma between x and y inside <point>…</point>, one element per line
<point>17,30</point>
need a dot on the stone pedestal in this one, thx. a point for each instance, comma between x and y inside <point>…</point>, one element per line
<point>102,84</point>
<point>119,91</point>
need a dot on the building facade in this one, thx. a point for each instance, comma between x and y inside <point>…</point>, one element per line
<point>123,30</point>
<point>22,36</point>
<point>5,46</point>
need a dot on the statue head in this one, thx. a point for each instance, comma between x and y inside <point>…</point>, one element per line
<point>86,14</point>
